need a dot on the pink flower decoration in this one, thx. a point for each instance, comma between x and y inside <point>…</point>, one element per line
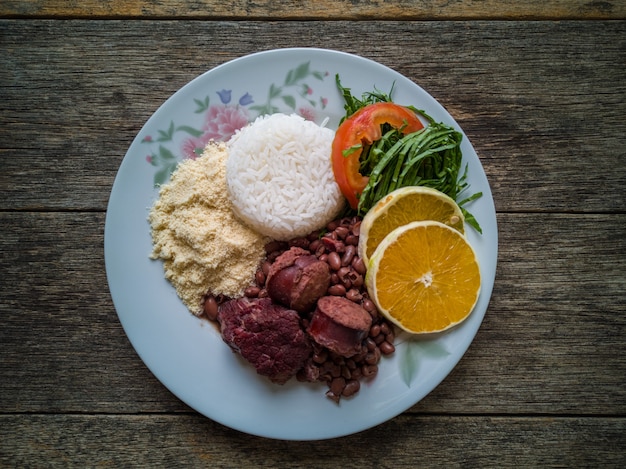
<point>194,146</point>
<point>149,159</point>
<point>223,121</point>
<point>307,112</point>
<point>309,90</point>
<point>147,138</point>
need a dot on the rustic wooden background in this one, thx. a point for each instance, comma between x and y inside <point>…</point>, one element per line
<point>540,90</point>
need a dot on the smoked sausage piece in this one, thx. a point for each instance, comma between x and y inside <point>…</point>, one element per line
<point>297,279</point>
<point>339,325</point>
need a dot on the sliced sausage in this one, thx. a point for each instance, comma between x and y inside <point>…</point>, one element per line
<point>340,325</point>
<point>297,279</point>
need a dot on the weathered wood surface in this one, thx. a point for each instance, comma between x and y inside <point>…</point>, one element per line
<point>551,342</point>
<point>77,93</point>
<point>319,9</point>
<point>408,441</point>
<point>543,104</point>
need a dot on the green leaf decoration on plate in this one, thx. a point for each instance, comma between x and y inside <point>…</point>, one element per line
<point>203,105</point>
<point>413,352</point>
<point>290,101</point>
<point>166,135</point>
<point>190,130</point>
<point>297,74</point>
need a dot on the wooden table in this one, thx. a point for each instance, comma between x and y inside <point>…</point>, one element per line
<point>540,90</point>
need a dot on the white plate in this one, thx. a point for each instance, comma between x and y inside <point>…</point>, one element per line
<point>187,354</point>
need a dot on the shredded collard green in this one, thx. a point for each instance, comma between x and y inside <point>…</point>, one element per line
<point>353,104</point>
<point>429,157</point>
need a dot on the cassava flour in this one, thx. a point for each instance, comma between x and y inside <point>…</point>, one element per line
<point>194,231</point>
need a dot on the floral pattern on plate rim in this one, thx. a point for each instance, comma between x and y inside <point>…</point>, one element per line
<point>222,120</point>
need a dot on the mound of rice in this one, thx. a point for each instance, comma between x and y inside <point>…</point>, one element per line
<point>280,178</point>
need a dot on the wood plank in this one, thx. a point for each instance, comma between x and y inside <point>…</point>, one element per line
<point>318,9</point>
<point>405,442</point>
<point>63,344</point>
<point>553,340</point>
<point>75,93</point>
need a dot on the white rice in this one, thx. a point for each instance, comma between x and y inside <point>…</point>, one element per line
<point>279,176</point>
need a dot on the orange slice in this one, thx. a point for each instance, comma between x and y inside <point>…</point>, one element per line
<point>424,277</point>
<point>402,206</point>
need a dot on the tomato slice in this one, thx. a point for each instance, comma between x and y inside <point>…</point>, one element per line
<point>363,128</point>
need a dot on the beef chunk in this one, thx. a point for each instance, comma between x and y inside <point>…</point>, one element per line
<point>268,336</point>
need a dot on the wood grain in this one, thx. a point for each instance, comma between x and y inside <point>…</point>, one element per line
<point>318,9</point>
<point>63,349</point>
<point>543,103</point>
<point>407,442</point>
<point>75,94</point>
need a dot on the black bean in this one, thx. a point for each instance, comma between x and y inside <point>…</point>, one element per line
<point>344,276</point>
<point>369,370</point>
<point>370,358</point>
<point>273,246</point>
<point>337,359</point>
<point>334,260</point>
<point>210,308</point>
<point>299,242</point>
<point>373,357</point>
<point>333,225</point>
<point>348,255</point>
<point>370,344</point>
<point>252,292</point>
<point>354,295</point>
<point>352,240</point>
<point>368,305</point>
<point>358,265</point>
<point>356,279</point>
<point>337,290</point>
<point>260,277</point>
<point>342,232</point>
<point>337,385</point>
<point>314,245</point>
<point>387,348</point>
<point>351,388</point>
<point>332,396</point>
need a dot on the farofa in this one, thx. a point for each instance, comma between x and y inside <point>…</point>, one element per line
<point>204,247</point>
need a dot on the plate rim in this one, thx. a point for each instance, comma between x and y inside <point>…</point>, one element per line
<point>111,205</point>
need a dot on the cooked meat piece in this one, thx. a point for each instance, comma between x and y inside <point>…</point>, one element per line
<point>340,325</point>
<point>297,279</point>
<point>267,335</point>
